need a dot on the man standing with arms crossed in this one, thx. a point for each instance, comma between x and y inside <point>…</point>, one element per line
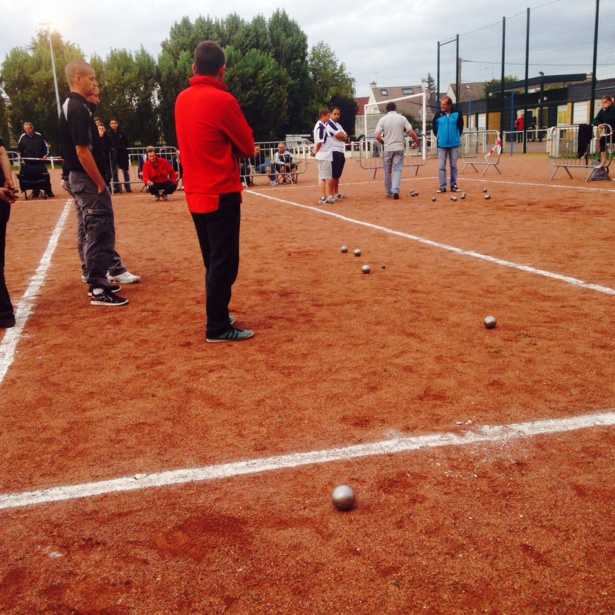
<point>213,133</point>
<point>83,158</point>
<point>390,131</point>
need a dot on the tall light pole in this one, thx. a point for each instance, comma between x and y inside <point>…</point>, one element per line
<point>53,65</point>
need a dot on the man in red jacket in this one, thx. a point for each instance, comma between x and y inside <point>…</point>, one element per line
<point>159,176</point>
<point>213,133</point>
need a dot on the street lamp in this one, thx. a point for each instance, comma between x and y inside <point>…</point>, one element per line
<point>53,65</point>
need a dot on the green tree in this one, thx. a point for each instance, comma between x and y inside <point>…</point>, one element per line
<point>265,106</point>
<point>329,79</point>
<point>290,50</point>
<point>28,82</point>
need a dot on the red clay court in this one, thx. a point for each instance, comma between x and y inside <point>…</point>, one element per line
<point>147,472</point>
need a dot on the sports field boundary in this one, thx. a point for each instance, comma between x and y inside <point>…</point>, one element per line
<point>442,246</point>
<point>25,306</point>
<point>487,434</point>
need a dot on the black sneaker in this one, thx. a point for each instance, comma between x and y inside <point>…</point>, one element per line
<point>396,196</point>
<point>108,299</point>
<point>114,288</point>
<point>455,188</point>
<point>440,190</point>
<point>232,335</point>
<point>7,322</point>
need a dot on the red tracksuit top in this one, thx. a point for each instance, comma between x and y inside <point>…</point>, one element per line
<point>212,133</point>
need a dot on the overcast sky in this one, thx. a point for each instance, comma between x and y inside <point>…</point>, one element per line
<point>392,43</point>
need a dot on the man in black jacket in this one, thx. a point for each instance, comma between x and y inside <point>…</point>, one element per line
<point>120,142</point>
<point>33,150</point>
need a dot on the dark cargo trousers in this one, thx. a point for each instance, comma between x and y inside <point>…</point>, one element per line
<point>96,211</point>
<point>6,307</point>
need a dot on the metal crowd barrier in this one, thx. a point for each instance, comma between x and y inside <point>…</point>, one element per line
<point>481,148</point>
<point>299,151</point>
<point>577,147</point>
<point>371,154</point>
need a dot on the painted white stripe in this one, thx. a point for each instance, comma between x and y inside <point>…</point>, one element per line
<point>498,433</point>
<point>25,306</point>
<point>498,261</point>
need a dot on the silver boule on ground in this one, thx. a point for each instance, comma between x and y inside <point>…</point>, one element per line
<point>357,252</point>
<point>343,497</point>
<point>490,322</point>
<point>344,249</point>
<point>366,269</point>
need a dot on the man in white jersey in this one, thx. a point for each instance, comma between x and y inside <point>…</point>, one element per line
<point>324,155</point>
<point>339,147</point>
<point>390,131</point>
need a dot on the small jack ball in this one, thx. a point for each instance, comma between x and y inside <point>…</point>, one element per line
<point>490,322</point>
<point>384,266</point>
<point>366,269</point>
<point>343,497</point>
<point>344,249</point>
<point>487,197</point>
<point>357,252</point>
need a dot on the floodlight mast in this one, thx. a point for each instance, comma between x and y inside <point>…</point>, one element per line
<point>53,65</point>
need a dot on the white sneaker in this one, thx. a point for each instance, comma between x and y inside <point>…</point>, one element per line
<point>84,278</point>
<point>124,278</point>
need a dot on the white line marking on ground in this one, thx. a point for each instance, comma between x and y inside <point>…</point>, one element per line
<point>498,433</point>
<point>498,261</point>
<point>25,306</point>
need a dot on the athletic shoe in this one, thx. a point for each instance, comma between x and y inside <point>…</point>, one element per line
<point>114,288</point>
<point>440,190</point>
<point>274,183</point>
<point>123,278</point>
<point>156,197</point>
<point>322,201</point>
<point>454,188</point>
<point>165,197</point>
<point>231,320</point>
<point>108,299</point>
<point>232,335</point>
<point>389,196</point>
<point>7,323</point>
<point>396,196</point>
<point>84,278</point>
<point>330,200</point>
<point>341,196</point>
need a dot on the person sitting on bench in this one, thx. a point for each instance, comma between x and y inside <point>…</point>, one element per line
<point>33,150</point>
<point>285,163</point>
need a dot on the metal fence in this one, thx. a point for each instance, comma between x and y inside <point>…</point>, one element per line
<point>371,154</point>
<point>481,148</point>
<point>569,148</point>
<point>300,152</point>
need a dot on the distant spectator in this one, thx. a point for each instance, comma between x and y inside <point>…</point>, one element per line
<point>120,141</point>
<point>284,163</point>
<point>109,149</point>
<point>605,117</point>
<point>159,176</point>
<point>33,151</point>
<point>519,127</point>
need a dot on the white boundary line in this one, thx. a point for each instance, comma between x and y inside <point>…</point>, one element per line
<point>25,307</point>
<point>498,433</point>
<point>434,244</point>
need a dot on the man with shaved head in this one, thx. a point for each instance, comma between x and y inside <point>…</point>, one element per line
<point>83,160</point>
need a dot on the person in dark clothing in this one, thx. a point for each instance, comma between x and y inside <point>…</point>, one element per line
<point>120,142</point>
<point>84,159</point>
<point>7,197</point>
<point>109,149</point>
<point>33,150</point>
<point>605,120</point>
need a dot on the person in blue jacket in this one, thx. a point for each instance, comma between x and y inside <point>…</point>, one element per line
<point>448,128</point>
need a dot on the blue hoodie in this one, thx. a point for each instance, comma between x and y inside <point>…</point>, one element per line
<point>448,128</point>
